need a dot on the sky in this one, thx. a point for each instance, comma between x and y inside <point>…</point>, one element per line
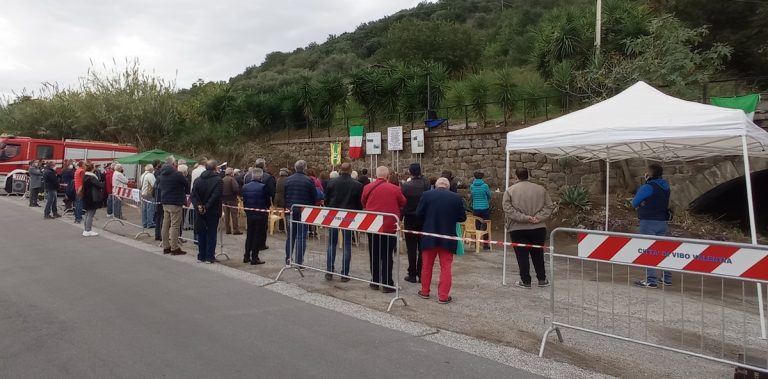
<point>56,41</point>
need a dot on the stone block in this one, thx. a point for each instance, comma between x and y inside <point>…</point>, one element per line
<point>464,144</point>
<point>530,165</point>
<point>546,167</point>
<point>539,174</point>
<point>463,153</point>
<point>451,153</point>
<point>540,158</point>
<point>525,157</point>
<point>490,144</point>
<point>453,144</point>
<point>477,143</point>
<point>482,151</point>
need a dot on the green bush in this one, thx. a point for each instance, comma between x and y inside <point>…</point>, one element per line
<point>576,197</point>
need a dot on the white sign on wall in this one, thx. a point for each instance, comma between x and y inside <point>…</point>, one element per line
<point>417,141</point>
<point>373,143</point>
<point>395,138</point>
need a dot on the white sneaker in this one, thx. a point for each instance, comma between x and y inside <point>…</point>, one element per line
<point>86,234</point>
<point>93,234</point>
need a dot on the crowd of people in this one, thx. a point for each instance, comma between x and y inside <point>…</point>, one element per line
<point>175,198</point>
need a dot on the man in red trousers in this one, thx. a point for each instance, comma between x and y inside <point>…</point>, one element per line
<point>440,210</point>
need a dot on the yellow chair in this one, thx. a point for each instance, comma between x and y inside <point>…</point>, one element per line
<point>275,216</point>
<point>471,231</point>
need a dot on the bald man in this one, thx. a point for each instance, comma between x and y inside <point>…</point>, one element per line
<point>382,196</point>
<point>440,209</point>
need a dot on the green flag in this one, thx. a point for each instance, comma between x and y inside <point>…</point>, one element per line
<point>746,103</point>
<point>335,154</point>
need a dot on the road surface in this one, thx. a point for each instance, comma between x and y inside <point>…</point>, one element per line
<point>74,307</point>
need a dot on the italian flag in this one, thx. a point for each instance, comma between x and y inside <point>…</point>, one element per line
<point>356,141</point>
<point>746,103</point>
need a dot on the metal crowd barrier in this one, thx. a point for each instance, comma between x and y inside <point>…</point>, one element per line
<point>706,311</point>
<point>304,254</point>
<point>131,198</point>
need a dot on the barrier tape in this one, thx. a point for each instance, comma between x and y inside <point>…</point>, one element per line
<point>352,213</point>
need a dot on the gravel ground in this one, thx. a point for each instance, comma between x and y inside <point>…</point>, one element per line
<point>496,317</point>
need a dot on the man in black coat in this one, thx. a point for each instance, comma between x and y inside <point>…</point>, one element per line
<point>206,199</point>
<point>173,187</point>
<point>343,193</point>
<point>412,190</point>
<point>51,186</point>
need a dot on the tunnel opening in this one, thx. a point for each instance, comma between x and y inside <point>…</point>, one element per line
<point>728,202</point>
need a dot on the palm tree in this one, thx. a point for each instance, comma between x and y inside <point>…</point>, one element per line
<point>367,90</point>
<point>505,92</point>
<point>477,93</point>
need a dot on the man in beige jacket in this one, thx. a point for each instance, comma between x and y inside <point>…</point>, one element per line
<point>526,207</point>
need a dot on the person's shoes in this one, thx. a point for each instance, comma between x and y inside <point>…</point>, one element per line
<point>56,215</point>
<point>228,232</point>
<point>329,277</point>
<point>387,290</point>
<point>544,283</point>
<point>246,260</point>
<point>666,284</point>
<point>238,233</point>
<point>210,262</point>
<point>199,261</point>
<point>374,286</point>
<point>78,221</point>
<point>422,295</point>
<point>109,216</point>
<point>445,301</point>
<point>178,252</point>
<point>486,248</point>
<point>520,284</point>
<point>93,234</point>
<point>646,284</point>
<point>47,217</point>
<point>344,279</point>
<point>86,234</point>
<point>411,279</point>
<point>257,261</point>
<point>167,250</point>
<point>158,239</point>
<point>265,247</point>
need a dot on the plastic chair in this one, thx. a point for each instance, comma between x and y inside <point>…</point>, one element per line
<point>275,216</point>
<point>471,230</point>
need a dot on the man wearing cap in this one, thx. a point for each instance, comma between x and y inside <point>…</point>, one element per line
<point>440,209</point>
<point>413,190</point>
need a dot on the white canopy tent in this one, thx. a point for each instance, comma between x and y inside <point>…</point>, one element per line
<point>642,122</point>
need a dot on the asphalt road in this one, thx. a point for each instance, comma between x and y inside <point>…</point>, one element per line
<point>73,307</point>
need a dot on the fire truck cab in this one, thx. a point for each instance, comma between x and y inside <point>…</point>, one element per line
<point>17,152</point>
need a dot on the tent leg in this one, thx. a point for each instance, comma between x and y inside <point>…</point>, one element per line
<point>504,254</point>
<point>752,226</point>
<point>607,185</point>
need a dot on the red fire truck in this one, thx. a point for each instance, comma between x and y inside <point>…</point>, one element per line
<point>17,152</point>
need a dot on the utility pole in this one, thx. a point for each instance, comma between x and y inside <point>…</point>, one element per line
<point>598,26</point>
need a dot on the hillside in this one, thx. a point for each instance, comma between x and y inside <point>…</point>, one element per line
<point>468,60</point>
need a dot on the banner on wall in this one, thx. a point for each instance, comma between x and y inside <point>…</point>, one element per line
<point>335,154</point>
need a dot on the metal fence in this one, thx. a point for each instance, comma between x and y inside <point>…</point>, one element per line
<point>353,231</point>
<point>707,308</point>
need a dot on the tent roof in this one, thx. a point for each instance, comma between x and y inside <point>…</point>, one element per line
<point>642,122</point>
<point>147,157</point>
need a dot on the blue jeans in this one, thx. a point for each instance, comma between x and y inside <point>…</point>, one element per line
<point>655,228</point>
<point>297,238</point>
<point>333,241</point>
<point>110,205</point>
<point>484,214</point>
<point>79,210</point>
<point>117,207</point>
<point>206,245</point>
<point>147,214</point>
<point>50,203</point>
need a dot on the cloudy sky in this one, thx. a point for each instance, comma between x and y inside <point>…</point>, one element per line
<point>56,40</point>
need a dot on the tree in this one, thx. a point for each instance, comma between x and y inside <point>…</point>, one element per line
<point>456,46</point>
<point>505,92</point>
<point>478,91</point>
<point>367,90</point>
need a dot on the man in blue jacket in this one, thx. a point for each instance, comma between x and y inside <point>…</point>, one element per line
<point>440,209</point>
<point>299,190</point>
<point>256,195</point>
<point>652,203</point>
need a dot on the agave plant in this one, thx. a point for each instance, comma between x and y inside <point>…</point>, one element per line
<point>576,197</point>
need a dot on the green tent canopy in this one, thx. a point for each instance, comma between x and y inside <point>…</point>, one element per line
<point>148,157</point>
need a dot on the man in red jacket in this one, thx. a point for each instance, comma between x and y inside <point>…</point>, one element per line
<point>382,196</point>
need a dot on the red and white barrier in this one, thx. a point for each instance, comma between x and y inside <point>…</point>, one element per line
<point>359,221</point>
<point>727,260</point>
